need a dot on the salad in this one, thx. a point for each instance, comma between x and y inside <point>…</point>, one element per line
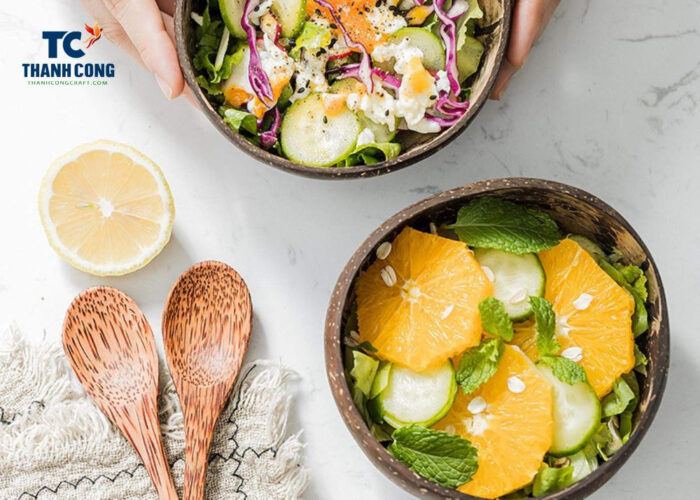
<point>495,355</point>
<point>332,83</point>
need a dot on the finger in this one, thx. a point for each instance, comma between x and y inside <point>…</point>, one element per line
<point>167,6</point>
<point>111,28</point>
<point>142,21</point>
<point>530,17</point>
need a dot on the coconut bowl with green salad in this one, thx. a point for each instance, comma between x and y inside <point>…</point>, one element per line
<point>336,88</point>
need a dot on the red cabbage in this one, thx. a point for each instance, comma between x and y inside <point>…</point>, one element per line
<point>443,122</point>
<point>448,33</point>
<point>259,81</point>
<point>365,68</point>
<point>353,71</point>
<point>269,138</point>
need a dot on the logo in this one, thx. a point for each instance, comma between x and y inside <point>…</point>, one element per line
<point>69,46</point>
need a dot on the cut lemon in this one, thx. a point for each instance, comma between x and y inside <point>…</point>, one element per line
<point>509,421</point>
<point>106,208</point>
<point>594,315</point>
<point>419,306</point>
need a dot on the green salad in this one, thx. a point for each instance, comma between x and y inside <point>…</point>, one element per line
<point>333,83</point>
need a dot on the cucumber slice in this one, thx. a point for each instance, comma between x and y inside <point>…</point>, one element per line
<point>232,12</point>
<point>380,130</point>
<point>427,42</point>
<point>469,57</point>
<point>576,414</point>
<point>513,273</point>
<point>290,14</point>
<point>310,137</point>
<point>416,398</point>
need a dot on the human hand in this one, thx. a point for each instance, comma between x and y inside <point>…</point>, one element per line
<point>530,17</point>
<point>144,29</point>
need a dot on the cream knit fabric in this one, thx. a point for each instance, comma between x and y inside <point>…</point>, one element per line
<point>55,443</point>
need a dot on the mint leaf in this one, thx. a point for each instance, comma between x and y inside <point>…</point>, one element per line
<point>496,223</point>
<point>545,325</point>
<point>495,319</point>
<point>479,364</point>
<point>550,479</point>
<point>564,369</point>
<point>446,459</point>
<point>618,400</point>
<point>364,368</point>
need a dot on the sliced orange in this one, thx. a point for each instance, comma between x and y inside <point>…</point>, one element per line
<point>419,306</point>
<point>365,21</point>
<point>593,313</point>
<point>512,431</point>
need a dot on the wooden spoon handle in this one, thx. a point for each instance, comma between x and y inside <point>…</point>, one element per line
<point>200,420</point>
<point>139,423</point>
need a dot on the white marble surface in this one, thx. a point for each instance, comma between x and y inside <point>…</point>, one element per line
<point>608,102</point>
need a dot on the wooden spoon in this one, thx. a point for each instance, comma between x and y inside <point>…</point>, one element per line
<point>111,348</point>
<point>206,327</point>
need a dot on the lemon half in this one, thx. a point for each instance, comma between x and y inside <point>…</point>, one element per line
<point>106,208</point>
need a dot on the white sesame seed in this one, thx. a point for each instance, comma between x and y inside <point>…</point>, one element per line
<point>433,228</point>
<point>515,385</point>
<point>519,296</point>
<point>388,276</point>
<point>573,353</point>
<point>584,300</point>
<point>447,311</point>
<point>350,342</point>
<point>489,274</point>
<point>354,335</point>
<point>477,405</point>
<point>383,250</point>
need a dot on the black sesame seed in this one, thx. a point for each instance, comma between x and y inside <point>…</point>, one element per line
<point>393,8</point>
<point>433,97</point>
<point>318,12</point>
<point>334,26</point>
<point>301,90</point>
<point>378,3</point>
<point>325,119</point>
<point>386,113</point>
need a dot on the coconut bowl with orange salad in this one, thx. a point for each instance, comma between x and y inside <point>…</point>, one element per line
<point>494,354</point>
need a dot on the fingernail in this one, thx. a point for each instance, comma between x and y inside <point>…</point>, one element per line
<point>164,87</point>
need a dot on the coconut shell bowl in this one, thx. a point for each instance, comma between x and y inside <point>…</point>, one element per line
<point>492,31</point>
<point>575,211</point>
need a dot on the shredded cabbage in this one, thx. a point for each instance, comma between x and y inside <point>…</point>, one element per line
<point>259,81</point>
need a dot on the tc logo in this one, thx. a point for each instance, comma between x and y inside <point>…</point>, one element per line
<point>67,39</point>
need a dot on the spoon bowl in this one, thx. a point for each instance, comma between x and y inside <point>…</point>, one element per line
<point>206,328</point>
<point>111,348</point>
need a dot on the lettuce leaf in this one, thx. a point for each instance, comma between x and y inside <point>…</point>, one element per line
<point>364,369</point>
<point>239,120</point>
<point>312,38</point>
<point>551,479</point>
<point>369,154</point>
<point>584,462</point>
<point>618,400</point>
<point>446,459</point>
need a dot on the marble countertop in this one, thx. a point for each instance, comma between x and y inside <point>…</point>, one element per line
<point>608,102</point>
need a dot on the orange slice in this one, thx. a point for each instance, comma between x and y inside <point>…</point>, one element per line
<point>419,306</point>
<point>593,313</point>
<point>512,432</point>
